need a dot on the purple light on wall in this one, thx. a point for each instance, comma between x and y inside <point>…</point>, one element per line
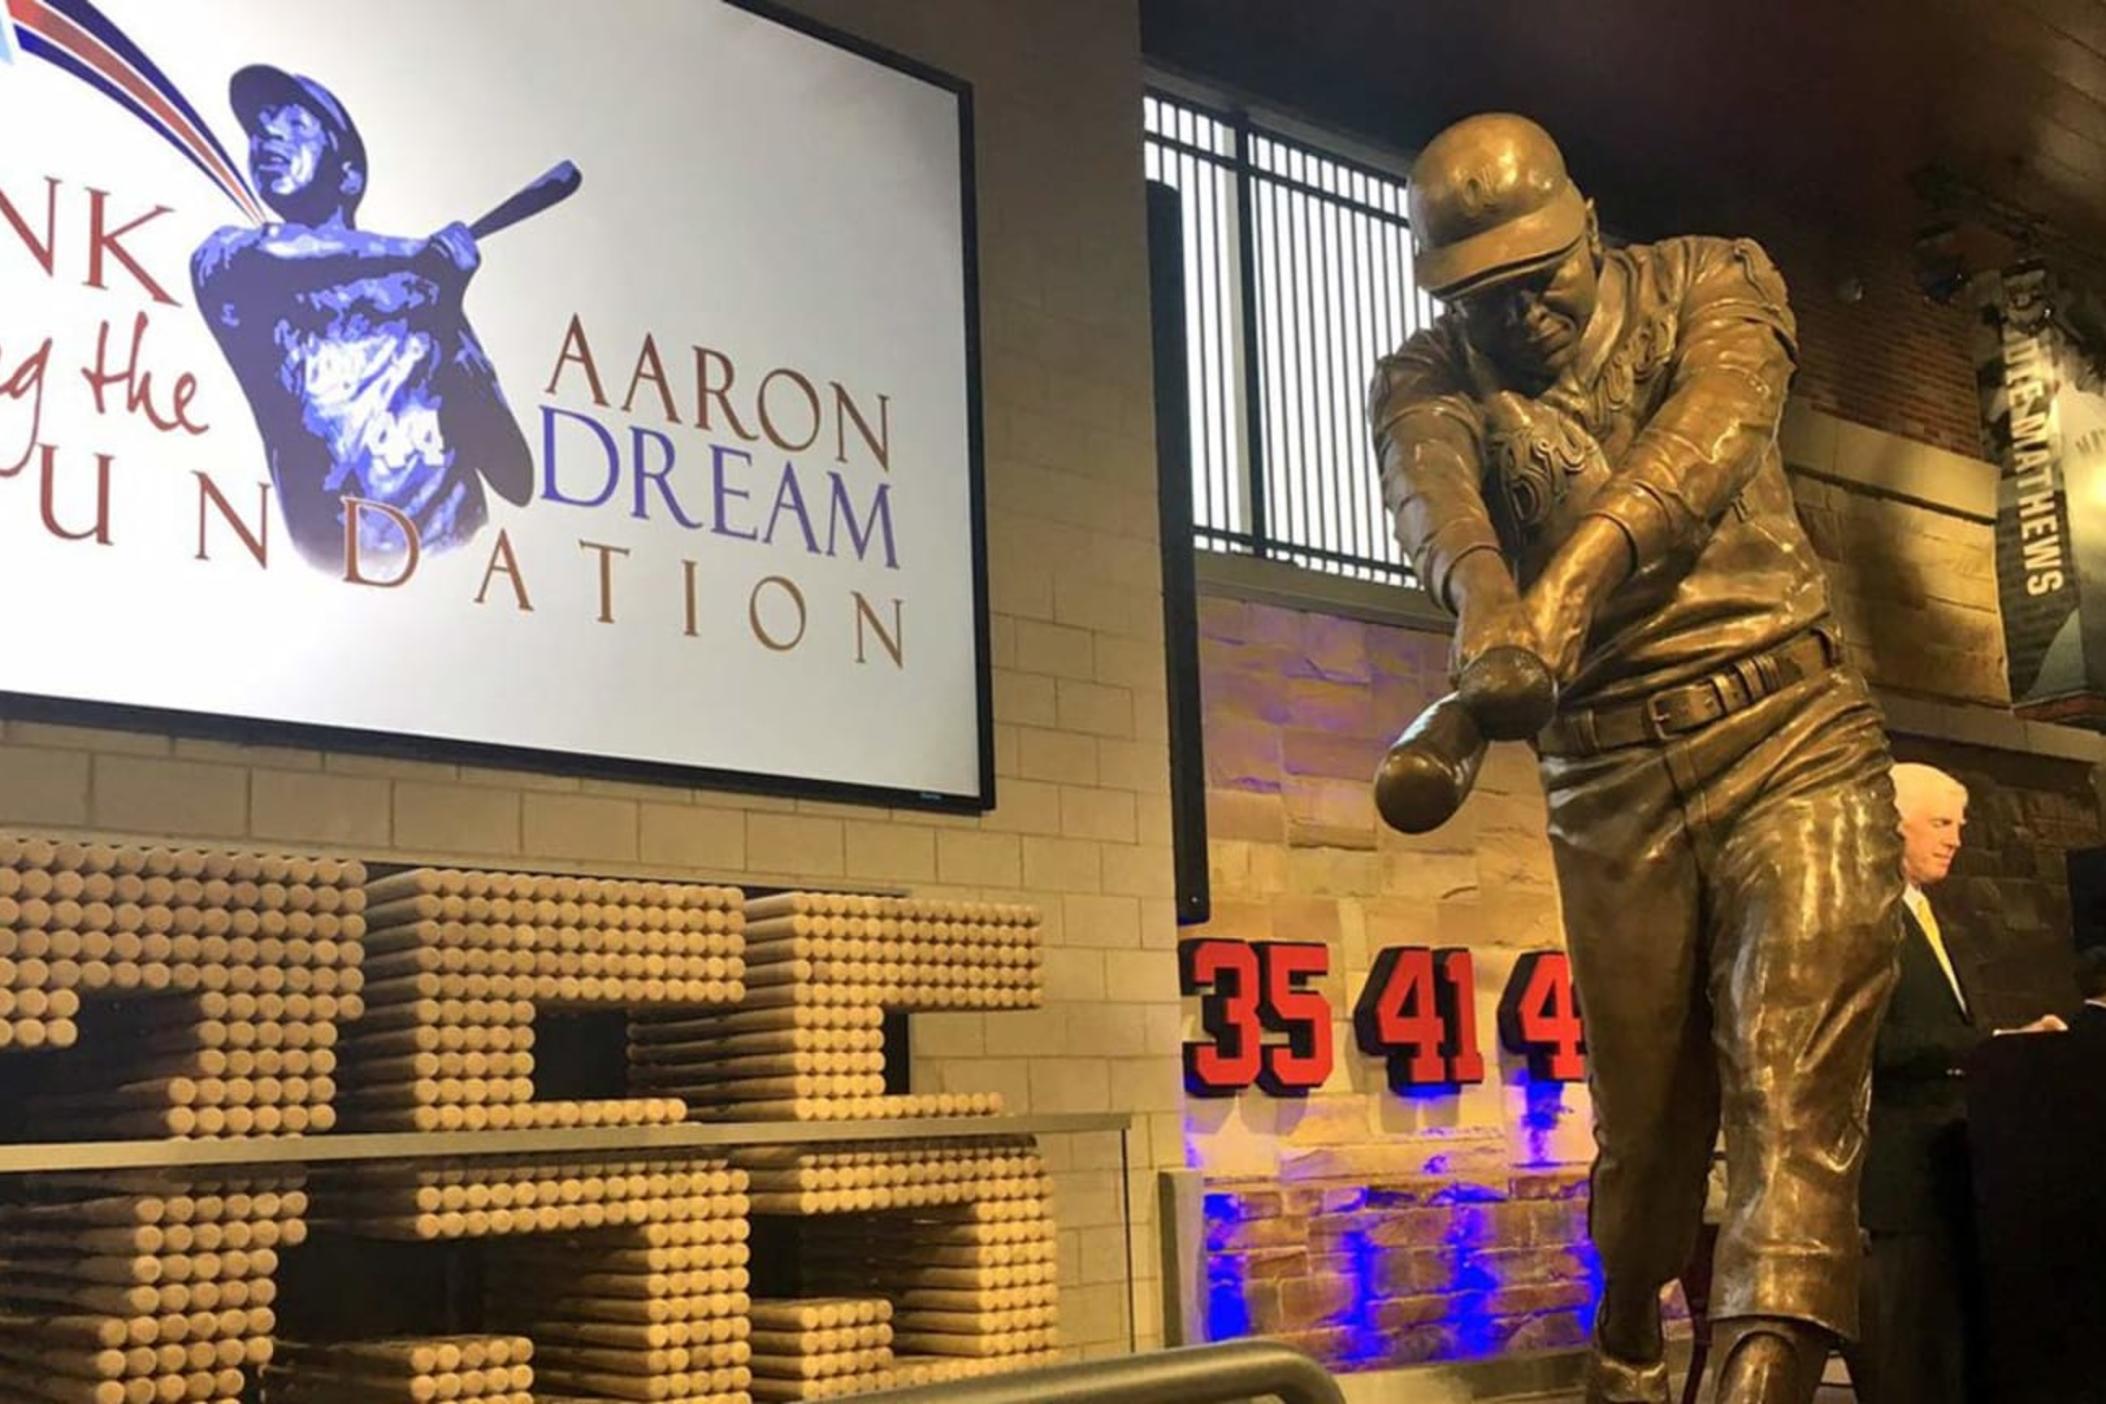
<point>1401,1273</point>
<point>1228,1313</point>
<point>1544,1108</point>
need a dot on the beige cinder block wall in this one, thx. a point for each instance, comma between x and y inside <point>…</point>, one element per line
<point>1083,827</point>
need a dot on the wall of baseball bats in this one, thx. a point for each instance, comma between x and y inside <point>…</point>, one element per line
<point>178,994</point>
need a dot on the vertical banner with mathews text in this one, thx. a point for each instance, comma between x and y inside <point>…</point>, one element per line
<point>586,386</point>
<point>2045,418</point>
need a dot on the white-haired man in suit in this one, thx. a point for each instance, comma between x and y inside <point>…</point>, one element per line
<point>1915,1318</point>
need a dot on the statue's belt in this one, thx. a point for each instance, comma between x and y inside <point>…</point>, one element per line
<point>1677,711</point>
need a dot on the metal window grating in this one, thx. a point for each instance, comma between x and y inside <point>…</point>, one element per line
<point>1297,277</point>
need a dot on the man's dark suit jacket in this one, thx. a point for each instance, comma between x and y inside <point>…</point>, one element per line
<point>1916,1173</point>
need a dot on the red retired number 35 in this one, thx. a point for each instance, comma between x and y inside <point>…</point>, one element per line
<point>1418,1014</point>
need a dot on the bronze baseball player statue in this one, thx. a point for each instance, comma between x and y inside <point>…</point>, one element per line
<point>1581,460</point>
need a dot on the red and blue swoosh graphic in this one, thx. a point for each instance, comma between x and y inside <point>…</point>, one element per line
<point>75,36</point>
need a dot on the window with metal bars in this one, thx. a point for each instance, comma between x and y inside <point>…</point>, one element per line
<point>1297,278</point>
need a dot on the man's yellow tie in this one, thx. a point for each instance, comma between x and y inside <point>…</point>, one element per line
<point>1925,918</point>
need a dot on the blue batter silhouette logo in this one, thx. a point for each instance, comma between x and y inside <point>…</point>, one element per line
<point>353,348</point>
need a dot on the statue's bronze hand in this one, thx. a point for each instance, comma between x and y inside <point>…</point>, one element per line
<point>1500,674</point>
<point>1510,691</point>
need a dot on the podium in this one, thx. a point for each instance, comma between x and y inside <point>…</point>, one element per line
<point>2036,1107</point>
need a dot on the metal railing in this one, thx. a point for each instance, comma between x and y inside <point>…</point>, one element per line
<point>1298,276</point>
<point>1213,1374</point>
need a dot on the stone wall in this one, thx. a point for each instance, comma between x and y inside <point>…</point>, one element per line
<point>1403,1270</point>
<point>1914,588</point>
<point>1914,581</point>
<point>1082,829</point>
<point>1407,1230</point>
<point>1299,707</point>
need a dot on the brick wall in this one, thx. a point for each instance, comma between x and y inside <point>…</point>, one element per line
<point>1083,827</point>
<point>1893,359</point>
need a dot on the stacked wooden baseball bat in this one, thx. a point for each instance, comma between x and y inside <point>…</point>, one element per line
<point>821,969</point>
<point>509,1196</point>
<point>964,1243</point>
<point>138,1288</point>
<point>225,976</point>
<point>458,1369</point>
<point>653,1308</point>
<point>892,1175</point>
<point>459,961</point>
<point>821,1348</point>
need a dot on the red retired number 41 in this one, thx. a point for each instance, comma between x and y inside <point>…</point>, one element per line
<point>1418,1014</point>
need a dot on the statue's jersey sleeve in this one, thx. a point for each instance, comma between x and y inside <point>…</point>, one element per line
<point>1685,408</point>
<point>1723,568</point>
<point>1735,347</point>
<point>1429,446</point>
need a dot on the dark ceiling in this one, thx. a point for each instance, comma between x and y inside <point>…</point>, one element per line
<point>1681,115</point>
